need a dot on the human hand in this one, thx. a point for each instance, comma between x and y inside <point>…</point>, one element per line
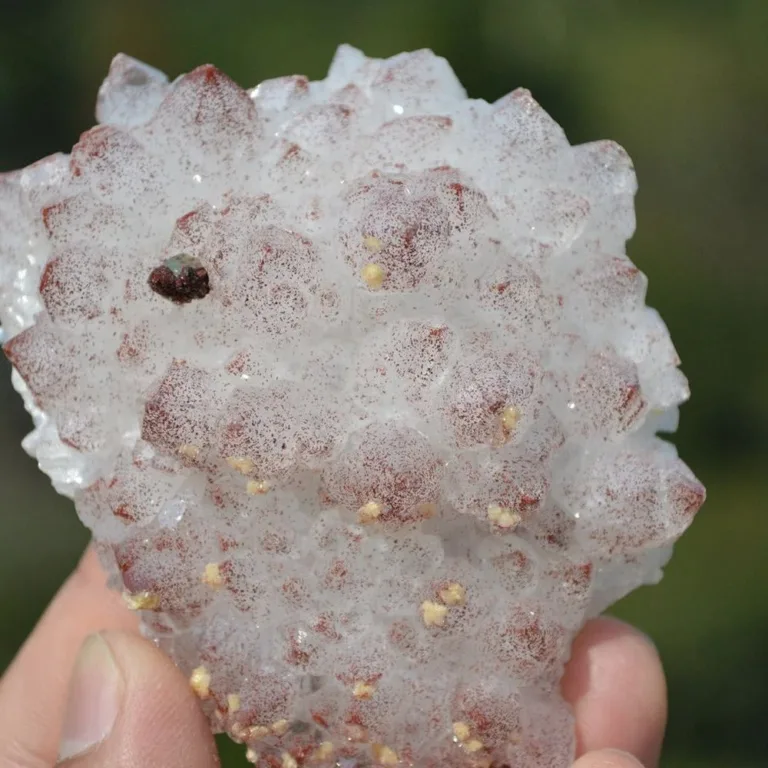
<point>126,705</point>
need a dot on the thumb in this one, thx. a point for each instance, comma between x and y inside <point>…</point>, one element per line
<point>128,706</point>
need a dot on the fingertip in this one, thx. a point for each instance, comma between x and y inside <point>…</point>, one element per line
<point>163,719</point>
<point>616,685</point>
<point>608,758</point>
<point>158,721</point>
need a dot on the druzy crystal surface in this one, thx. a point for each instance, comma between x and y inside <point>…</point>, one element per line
<point>357,390</point>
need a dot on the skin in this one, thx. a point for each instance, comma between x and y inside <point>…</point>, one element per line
<point>614,681</point>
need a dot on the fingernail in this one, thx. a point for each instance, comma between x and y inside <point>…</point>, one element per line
<point>618,758</point>
<point>94,699</point>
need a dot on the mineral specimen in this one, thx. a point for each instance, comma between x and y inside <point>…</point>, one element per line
<point>357,390</point>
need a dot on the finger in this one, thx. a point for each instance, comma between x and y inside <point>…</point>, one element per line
<point>33,690</point>
<point>129,706</point>
<point>608,758</point>
<point>616,685</point>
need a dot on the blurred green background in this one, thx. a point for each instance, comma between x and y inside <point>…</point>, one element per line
<point>682,84</point>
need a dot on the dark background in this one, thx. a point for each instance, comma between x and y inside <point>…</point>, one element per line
<point>682,84</point>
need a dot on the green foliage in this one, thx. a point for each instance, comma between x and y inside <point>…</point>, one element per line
<point>682,84</point>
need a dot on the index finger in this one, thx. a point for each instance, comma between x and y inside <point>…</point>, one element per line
<point>616,685</point>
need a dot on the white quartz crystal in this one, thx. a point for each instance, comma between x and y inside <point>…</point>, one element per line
<point>357,390</point>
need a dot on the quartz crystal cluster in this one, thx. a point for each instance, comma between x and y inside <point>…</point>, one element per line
<point>357,390</point>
